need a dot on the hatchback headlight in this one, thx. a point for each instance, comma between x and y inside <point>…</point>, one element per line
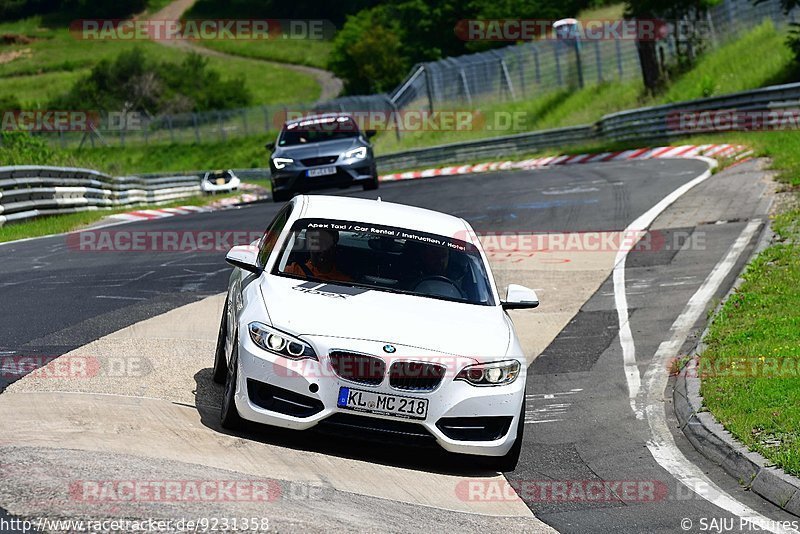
<point>490,374</point>
<point>280,163</point>
<point>357,153</point>
<point>280,343</point>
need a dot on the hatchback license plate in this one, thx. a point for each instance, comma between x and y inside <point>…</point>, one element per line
<point>322,171</point>
<point>380,403</point>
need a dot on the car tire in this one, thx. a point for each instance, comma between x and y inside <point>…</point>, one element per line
<point>371,185</point>
<point>220,361</point>
<point>229,417</point>
<point>508,462</point>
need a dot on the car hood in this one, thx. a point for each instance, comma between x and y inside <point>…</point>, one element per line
<point>313,150</point>
<point>317,309</point>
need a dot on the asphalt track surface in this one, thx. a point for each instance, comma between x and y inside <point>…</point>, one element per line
<point>57,298</point>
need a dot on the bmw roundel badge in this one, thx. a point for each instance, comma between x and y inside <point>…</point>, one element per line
<point>389,348</point>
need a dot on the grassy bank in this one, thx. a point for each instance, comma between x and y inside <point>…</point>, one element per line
<point>756,59</point>
<point>46,61</point>
<point>753,354</point>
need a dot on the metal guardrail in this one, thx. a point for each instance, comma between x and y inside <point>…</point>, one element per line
<point>30,191</point>
<point>656,123</point>
<point>27,192</point>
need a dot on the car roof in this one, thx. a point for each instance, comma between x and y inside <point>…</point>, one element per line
<point>384,213</point>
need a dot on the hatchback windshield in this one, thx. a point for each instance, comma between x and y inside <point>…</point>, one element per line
<point>318,130</point>
<point>385,258</point>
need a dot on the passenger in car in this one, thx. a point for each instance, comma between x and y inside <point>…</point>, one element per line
<point>321,263</point>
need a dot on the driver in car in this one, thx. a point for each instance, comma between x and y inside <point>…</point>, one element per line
<point>321,263</point>
<point>428,261</point>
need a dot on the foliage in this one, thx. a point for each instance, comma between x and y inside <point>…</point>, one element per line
<point>135,82</point>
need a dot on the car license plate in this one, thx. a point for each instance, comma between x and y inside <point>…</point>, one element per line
<point>220,181</point>
<point>322,171</point>
<point>380,403</point>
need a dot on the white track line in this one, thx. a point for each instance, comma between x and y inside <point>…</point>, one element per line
<point>662,445</point>
<point>636,228</point>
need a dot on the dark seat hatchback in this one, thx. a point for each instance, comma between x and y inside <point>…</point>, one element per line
<point>319,152</point>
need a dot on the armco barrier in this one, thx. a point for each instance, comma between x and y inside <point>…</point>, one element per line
<point>656,123</point>
<point>28,191</point>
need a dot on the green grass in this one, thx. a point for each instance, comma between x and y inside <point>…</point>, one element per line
<point>753,354</point>
<point>55,59</point>
<point>237,153</point>
<point>313,53</point>
<point>57,224</point>
<point>758,58</point>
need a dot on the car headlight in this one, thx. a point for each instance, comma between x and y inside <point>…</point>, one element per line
<point>357,153</point>
<point>281,162</point>
<point>280,343</point>
<point>490,374</point>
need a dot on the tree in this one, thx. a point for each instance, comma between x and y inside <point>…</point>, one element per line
<point>653,74</point>
<point>368,53</point>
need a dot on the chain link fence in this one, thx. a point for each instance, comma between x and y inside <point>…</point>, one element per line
<point>511,73</point>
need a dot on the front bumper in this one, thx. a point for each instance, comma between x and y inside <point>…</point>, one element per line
<point>301,395</point>
<point>294,178</point>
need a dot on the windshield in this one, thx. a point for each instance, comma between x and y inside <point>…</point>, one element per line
<point>318,130</point>
<point>387,259</point>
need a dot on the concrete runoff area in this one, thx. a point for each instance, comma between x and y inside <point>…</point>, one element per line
<point>579,426</point>
<point>169,412</point>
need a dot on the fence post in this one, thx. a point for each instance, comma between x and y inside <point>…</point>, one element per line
<point>599,60</point>
<point>428,87</point>
<point>171,131</point>
<point>558,65</point>
<point>506,75</point>
<point>196,128</point>
<point>465,86</point>
<point>618,46</point>
<point>221,128</point>
<point>521,63</point>
<point>244,122</point>
<point>396,114</point>
<point>538,67</point>
<point>266,118</point>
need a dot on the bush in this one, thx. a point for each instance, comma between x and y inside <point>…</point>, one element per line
<point>21,148</point>
<point>135,82</point>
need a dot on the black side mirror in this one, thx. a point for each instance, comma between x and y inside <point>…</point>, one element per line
<point>270,146</point>
<point>370,133</point>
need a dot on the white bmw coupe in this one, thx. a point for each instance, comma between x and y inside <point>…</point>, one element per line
<point>377,320</point>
